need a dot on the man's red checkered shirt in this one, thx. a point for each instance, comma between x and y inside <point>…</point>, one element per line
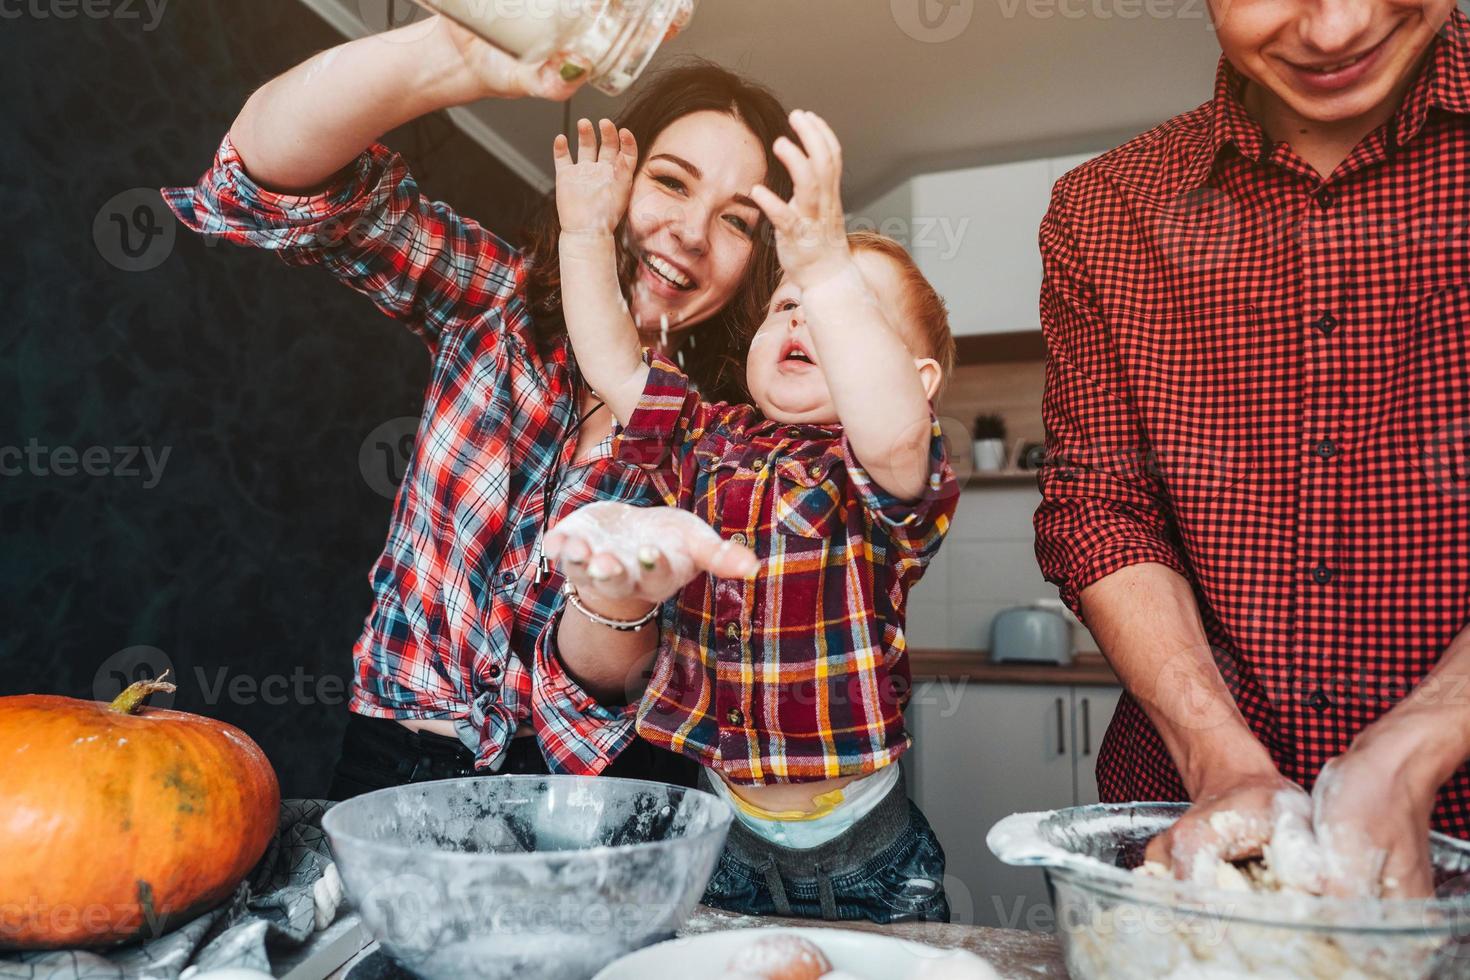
<point>800,673</point>
<point>1262,380</point>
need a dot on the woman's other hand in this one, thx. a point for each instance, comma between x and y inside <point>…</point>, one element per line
<point>497,75</point>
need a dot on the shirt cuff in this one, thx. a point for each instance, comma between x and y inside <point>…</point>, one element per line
<point>227,203</point>
<point>1114,556</point>
<point>658,421</point>
<point>577,735</point>
<point>913,519</point>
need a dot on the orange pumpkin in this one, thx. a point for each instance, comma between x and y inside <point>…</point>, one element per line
<point>119,821</point>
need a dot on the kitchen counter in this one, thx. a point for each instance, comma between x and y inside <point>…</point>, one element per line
<point>974,667</point>
<point>1013,953</point>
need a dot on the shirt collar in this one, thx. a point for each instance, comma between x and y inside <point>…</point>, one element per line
<point>1444,83</point>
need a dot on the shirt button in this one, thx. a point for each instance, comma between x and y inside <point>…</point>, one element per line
<point>1319,701</point>
<point>740,540</point>
<point>814,471</point>
<point>758,465</point>
<point>1325,199</point>
<point>493,671</point>
<point>506,578</point>
<point>1326,324</point>
<point>1327,449</point>
<point>735,717</point>
<point>1323,575</point>
<point>732,631</point>
<point>793,433</point>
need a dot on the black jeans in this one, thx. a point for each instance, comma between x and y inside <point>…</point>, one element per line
<point>887,867</point>
<point>378,753</point>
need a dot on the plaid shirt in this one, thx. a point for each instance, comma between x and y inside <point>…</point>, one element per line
<point>457,609</point>
<point>1262,380</point>
<point>801,673</point>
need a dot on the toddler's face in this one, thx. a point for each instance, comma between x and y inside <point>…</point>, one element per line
<point>781,371</point>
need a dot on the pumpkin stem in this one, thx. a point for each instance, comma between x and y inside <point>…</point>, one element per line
<point>129,701</point>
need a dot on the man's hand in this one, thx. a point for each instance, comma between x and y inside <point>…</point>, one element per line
<point>592,191</point>
<point>496,75</point>
<point>1239,818</point>
<point>1372,819</point>
<point>811,229</point>
<point>633,558</point>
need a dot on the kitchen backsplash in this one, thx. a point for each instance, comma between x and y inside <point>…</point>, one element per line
<point>988,562</point>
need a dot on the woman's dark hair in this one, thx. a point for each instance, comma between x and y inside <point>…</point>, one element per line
<point>715,361</point>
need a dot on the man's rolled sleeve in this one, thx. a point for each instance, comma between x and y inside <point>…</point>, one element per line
<point>577,735</point>
<point>1102,508</point>
<point>916,526</point>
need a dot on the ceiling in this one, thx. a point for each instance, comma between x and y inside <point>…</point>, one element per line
<point>911,85</point>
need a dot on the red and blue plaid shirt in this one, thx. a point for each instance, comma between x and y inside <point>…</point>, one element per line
<point>457,606</point>
<point>1261,379</point>
<point>800,673</point>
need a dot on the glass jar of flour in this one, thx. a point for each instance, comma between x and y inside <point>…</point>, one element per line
<point>618,38</point>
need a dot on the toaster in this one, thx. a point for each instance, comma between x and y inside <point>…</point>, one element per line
<point>1037,634</point>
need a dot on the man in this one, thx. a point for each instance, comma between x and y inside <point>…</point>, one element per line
<point>1258,406</point>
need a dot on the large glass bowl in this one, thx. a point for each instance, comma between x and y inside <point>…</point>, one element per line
<point>528,877</point>
<point>1117,925</point>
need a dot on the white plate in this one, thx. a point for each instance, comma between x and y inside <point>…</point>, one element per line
<point>862,954</point>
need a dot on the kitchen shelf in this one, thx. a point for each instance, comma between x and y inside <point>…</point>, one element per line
<point>1004,478</point>
<point>975,667</point>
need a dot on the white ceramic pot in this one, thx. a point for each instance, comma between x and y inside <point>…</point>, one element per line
<point>990,455</point>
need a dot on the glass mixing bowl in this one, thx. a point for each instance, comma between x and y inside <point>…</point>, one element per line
<point>1116,925</point>
<point>528,877</point>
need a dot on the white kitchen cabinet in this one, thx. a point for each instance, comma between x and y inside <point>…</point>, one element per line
<point>981,249</point>
<point>974,234</point>
<point>1092,710</point>
<point>984,751</point>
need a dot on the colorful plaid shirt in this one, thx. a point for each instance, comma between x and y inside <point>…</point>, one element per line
<point>1261,379</point>
<point>457,607</point>
<point>800,673</point>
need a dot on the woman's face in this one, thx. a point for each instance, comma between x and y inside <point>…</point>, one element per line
<point>1329,61</point>
<point>691,221</point>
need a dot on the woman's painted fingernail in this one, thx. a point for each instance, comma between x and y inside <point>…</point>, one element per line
<point>648,558</point>
<point>571,72</point>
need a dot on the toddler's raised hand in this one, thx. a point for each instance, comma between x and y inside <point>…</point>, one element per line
<point>592,191</point>
<point>811,229</point>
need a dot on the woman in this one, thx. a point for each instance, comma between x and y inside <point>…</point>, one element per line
<point>447,679</point>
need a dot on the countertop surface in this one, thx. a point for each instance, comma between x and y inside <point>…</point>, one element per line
<point>1016,955</point>
<point>974,666</point>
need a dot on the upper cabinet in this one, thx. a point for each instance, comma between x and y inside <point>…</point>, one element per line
<point>974,233</point>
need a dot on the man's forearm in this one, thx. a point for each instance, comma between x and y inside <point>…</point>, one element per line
<point>603,334</point>
<point>1146,620</point>
<point>1428,734</point>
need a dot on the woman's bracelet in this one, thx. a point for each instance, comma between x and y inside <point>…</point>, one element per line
<point>620,625</point>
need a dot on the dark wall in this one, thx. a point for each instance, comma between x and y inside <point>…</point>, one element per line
<point>195,459</point>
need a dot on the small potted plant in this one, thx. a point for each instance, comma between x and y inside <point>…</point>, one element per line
<point>990,444</point>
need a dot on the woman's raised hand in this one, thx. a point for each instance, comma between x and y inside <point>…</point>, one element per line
<point>498,75</point>
<point>592,191</point>
<point>617,552</point>
<point>811,229</point>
